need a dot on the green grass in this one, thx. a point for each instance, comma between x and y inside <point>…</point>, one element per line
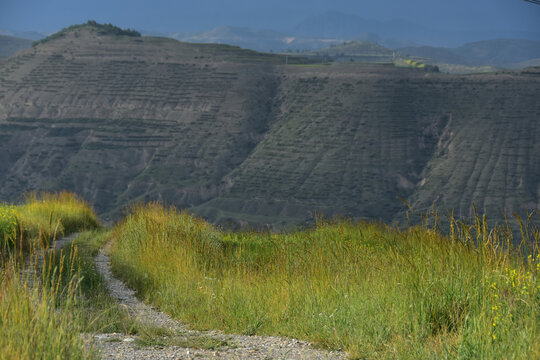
<point>373,291</point>
<point>55,213</point>
<point>44,312</point>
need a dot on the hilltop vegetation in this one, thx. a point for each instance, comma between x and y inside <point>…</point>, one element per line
<point>242,137</point>
<point>101,29</point>
<point>374,291</point>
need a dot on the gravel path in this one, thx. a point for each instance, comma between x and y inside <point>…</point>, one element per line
<point>118,346</point>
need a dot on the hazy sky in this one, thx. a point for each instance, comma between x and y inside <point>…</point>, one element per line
<point>191,15</point>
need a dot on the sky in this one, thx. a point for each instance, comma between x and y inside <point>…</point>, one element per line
<point>169,16</point>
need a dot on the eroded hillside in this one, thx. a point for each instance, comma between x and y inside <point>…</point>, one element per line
<point>237,135</point>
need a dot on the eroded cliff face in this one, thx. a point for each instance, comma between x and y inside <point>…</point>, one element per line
<point>236,135</point>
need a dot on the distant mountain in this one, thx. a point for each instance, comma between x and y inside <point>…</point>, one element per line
<point>501,52</point>
<point>29,35</point>
<point>394,33</point>
<point>357,48</point>
<point>9,45</point>
<point>256,39</point>
<point>506,53</point>
<point>261,40</point>
<point>364,51</point>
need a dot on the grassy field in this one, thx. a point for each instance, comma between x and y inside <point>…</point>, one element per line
<point>371,290</point>
<point>366,288</point>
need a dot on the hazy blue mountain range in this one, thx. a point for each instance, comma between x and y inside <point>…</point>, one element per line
<point>333,29</point>
<point>428,22</point>
<point>333,24</point>
<point>255,39</point>
<point>9,45</point>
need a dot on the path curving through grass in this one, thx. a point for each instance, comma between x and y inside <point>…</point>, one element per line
<point>189,343</point>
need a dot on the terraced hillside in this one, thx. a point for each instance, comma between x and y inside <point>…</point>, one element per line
<point>120,119</point>
<point>239,136</point>
<point>350,139</point>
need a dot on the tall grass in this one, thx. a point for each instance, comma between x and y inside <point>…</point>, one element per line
<point>374,291</point>
<point>40,310</point>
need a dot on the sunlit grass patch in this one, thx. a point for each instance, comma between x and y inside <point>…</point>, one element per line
<point>55,213</point>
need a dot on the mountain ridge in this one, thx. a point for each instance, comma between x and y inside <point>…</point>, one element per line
<point>239,136</point>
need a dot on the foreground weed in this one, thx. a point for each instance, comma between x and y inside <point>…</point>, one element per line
<point>41,218</point>
<point>8,226</point>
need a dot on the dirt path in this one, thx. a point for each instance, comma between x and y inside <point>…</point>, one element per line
<point>117,346</point>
